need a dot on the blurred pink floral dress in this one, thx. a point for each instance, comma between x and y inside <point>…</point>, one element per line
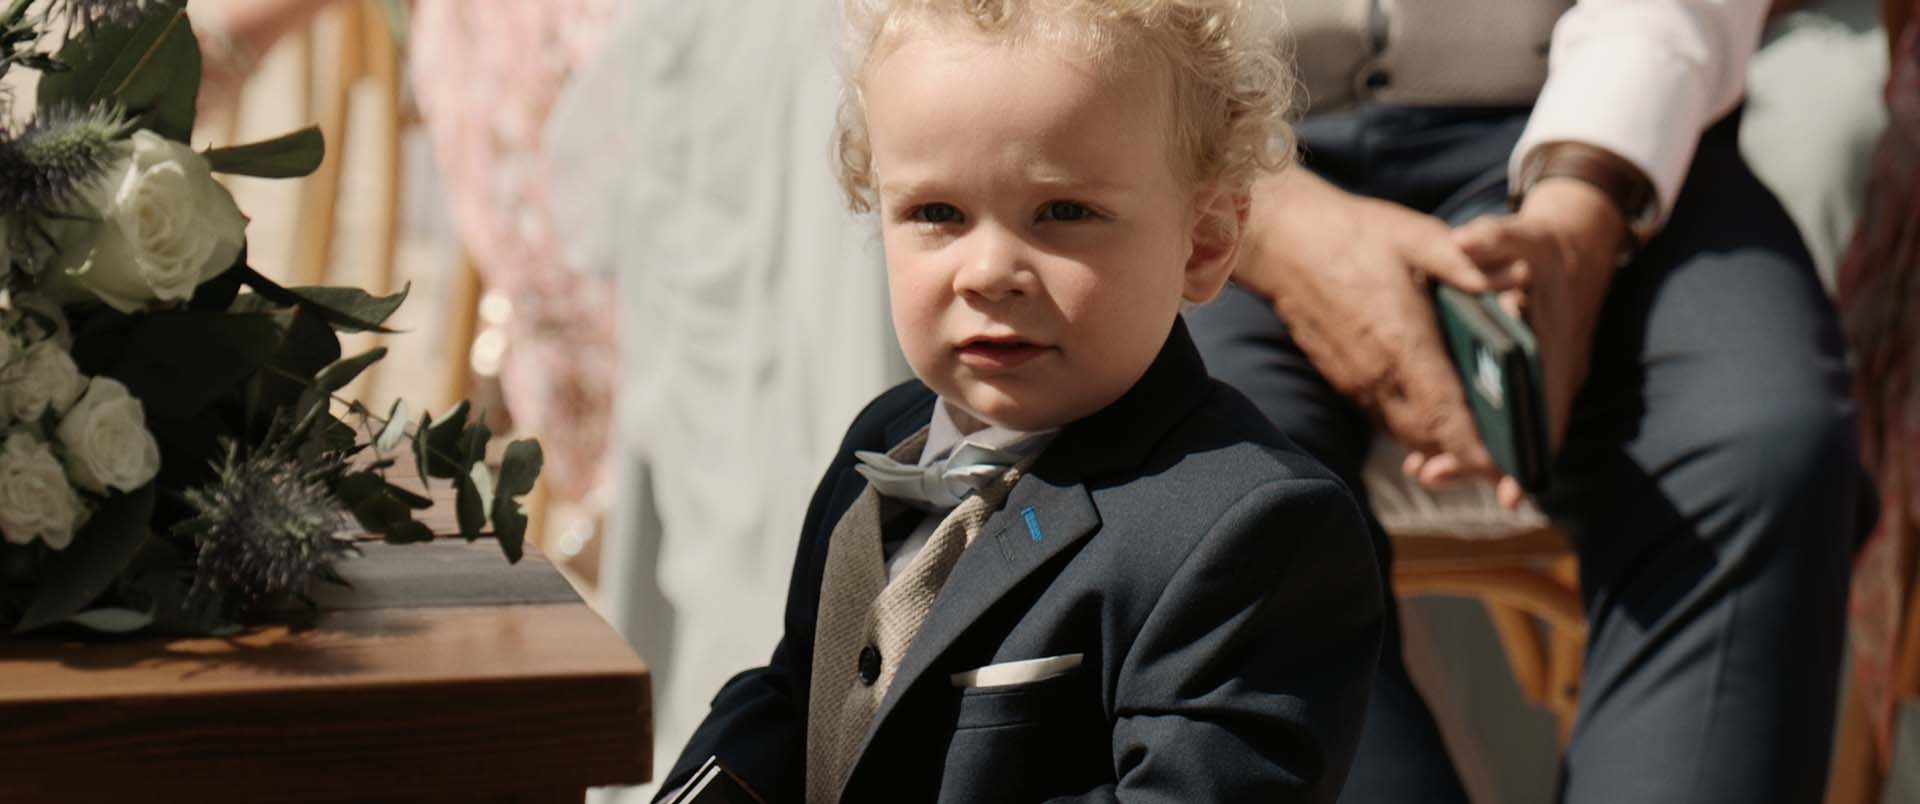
<point>1879,297</point>
<point>486,75</point>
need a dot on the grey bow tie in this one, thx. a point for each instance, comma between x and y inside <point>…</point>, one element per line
<point>938,486</point>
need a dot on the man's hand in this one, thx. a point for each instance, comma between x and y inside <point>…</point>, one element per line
<point>1560,247</point>
<point>1349,277</point>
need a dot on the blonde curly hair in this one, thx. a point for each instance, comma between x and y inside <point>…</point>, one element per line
<point>1229,60</point>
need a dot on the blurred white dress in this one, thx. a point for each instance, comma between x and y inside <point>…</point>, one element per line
<point>693,162</point>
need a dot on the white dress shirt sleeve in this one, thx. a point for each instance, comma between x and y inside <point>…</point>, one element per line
<point>1643,79</point>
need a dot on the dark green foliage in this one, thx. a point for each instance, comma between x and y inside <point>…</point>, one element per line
<point>144,60</point>
<point>284,157</point>
<point>67,580</point>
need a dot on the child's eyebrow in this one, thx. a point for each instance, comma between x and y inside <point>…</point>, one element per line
<point>1063,182</point>
<point>1051,182</point>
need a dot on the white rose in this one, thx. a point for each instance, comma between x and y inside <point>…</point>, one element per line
<point>106,439</point>
<point>156,227</point>
<point>43,377</point>
<point>35,500</point>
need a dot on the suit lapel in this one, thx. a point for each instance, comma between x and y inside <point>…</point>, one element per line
<point>1004,554</point>
<point>1050,510</point>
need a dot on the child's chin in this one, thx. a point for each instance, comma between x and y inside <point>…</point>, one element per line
<point>1019,412</point>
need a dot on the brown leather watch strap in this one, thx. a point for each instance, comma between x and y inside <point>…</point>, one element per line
<point>1629,189</point>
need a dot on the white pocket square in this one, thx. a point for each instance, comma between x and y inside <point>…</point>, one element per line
<point>1026,671</point>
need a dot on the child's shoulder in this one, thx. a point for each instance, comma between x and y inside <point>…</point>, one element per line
<point>1226,441</point>
<point>1221,456</point>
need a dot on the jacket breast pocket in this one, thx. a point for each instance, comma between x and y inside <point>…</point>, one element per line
<point>1058,700</point>
<point>1028,742</point>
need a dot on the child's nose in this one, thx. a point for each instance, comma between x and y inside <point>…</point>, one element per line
<point>996,269</point>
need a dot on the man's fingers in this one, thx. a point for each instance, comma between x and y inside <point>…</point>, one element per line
<point>1442,471</point>
<point>1430,417</point>
<point>1410,465</point>
<point>1509,493</point>
<point>1501,257</point>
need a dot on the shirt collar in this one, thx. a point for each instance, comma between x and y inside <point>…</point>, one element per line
<point>943,436</point>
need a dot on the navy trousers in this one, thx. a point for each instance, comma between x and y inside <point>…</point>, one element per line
<point>1710,481</point>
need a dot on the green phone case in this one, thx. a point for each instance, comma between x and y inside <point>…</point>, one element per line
<point>1498,362</point>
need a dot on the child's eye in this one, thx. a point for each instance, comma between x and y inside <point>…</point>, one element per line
<point>1064,211</point>
<point>935,212</point>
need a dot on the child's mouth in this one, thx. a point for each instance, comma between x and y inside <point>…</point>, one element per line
<point>997,353</point>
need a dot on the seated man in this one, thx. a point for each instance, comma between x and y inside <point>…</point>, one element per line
<point>1706,471</point>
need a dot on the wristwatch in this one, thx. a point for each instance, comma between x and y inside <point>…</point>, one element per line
<point>1629,189</point>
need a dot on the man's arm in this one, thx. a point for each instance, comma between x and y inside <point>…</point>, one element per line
<point>1348,274</point>
<point>1642,80</point>
<point>1249,680</point>
<point>1631,87</point>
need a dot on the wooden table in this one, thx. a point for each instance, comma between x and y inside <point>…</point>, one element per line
<point>443,675</point>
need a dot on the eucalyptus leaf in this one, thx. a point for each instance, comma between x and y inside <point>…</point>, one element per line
<point>307,346</point>
<point>395,429</point>
<point>519,468</point>
<point>353,309</point>
<point>109,620</point>
<point>391,518</point>
<point>284,157</point>
<point>419,440</point>
<point>335,435</point>
<point>444,448</point>
<point>72,578</point>
<point>341,372</point>
<point>473,445</point>
<point>409,499</point>
<point>469,507</point>
<point>347,309</point>
<point>150,68</point>
<point>356,487</point>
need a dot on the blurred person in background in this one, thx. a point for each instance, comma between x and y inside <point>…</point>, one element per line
<point>667,166</point>
<point>1813,114</point>
<point>693,168</point>
<point>485,77</point>
<point>1705,470</point>
<point>1879,294</point>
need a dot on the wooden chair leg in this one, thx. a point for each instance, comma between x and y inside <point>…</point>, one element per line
<point>1526,650</point>
<point>313,242</point>
<point>1546,668</point>
<point>1567,654</point>
<point>1525,589</point>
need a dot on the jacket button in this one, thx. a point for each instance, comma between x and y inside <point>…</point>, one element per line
<point>869,665</point>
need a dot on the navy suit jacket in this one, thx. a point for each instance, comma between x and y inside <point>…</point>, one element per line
<point>1219,583</point>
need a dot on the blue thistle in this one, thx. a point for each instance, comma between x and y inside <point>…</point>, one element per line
<point>44,168</point>
<point>266,526</point>
<point>88,13</point>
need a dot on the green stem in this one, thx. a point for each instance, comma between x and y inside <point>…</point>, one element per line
<point>366,414</point>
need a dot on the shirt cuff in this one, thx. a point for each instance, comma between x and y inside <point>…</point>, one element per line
<point>1632,107</point>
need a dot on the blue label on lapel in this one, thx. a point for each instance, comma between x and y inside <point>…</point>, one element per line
<point>1033,522</point>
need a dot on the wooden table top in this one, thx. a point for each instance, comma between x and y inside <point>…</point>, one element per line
<point>443,674</point>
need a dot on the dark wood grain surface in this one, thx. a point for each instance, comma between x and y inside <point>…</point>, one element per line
<point>442,675</point>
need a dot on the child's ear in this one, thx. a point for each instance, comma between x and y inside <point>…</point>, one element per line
<point>1219,219</point>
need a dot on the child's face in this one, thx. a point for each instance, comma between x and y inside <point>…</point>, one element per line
<point>1038,242</point>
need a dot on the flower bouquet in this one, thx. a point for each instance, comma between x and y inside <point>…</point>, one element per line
<point>172,453</point>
